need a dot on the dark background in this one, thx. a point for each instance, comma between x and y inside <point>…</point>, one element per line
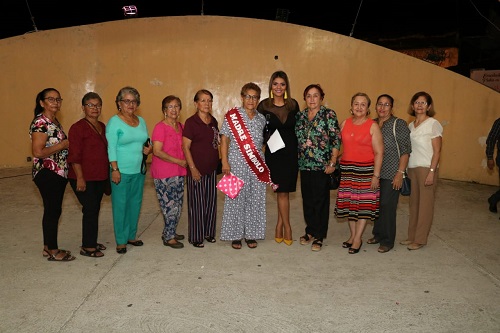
<point>471,25</point>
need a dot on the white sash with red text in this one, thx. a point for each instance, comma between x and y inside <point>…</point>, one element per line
<point>247,147</point>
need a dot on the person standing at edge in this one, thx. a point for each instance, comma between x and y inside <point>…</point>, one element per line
<point>49,145</point>
<point>89,171</point>
<point>168,169</point>
<point>426,142</point>
<point>318,136</point>
<point>280,110</point>
<point>358,194</point>
<point>492,140</point>
<point>200,143</point>
<point>395,133</point>
<point>127,134</point>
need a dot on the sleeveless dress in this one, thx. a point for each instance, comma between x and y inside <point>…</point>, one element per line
<point>355,199</point>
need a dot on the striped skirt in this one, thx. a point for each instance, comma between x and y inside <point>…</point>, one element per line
<point>355,199</point>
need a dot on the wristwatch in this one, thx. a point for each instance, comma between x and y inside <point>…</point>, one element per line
<point>431,169</point>
<point>115,169</point>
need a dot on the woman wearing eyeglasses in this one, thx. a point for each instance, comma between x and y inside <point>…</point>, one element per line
<point>318,136</point>
<point>200,143</point>
<point>89,170</point>
<point>426,141</point>
<point>49,145</point>
<point>242,154</point>
<point>168,169</point>
<point>127,136</point>
<point>395,133</point>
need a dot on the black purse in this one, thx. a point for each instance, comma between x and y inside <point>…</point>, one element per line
<point>406,185</point>
<point>334,179</point>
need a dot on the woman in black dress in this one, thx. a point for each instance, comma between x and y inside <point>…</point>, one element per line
<point>280,109</point>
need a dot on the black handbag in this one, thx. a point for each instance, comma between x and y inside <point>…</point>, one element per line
<point>334,179</point>
<point>406,185</point>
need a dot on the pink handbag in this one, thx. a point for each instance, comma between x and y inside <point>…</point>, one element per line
<point>230,185</point>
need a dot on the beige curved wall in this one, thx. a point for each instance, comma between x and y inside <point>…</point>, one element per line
<point>179,55</point>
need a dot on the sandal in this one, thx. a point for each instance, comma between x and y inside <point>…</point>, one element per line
<point>46,253</point>
<point>66,257</point>
<point>93,254</point>
<point>136,242</point>
<point>306,239</point>
<point>252,243</point>
<point>236,244</point>
<point>100,247</point>
<point>199,245</point>
<point>316,245</point>
<point>210,239</point>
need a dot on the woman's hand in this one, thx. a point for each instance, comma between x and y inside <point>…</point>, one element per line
<point>375,183</point>
<point>397,181</point>
<point>329,169</point>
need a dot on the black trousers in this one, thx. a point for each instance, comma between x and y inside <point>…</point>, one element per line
<point>384,228</point>
<point>52,188</point>
<point>315,202</point>
<point>91,206</point>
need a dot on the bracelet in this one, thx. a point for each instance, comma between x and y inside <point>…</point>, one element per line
<point>191,167</point>
<point>331,165</point>
<point>115,169</point>
<point>401,171</point>
<point>378,177</point>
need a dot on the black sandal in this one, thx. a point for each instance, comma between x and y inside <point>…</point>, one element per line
<point>252,243</point>
<point>66,257</point>
<point>316,245</point>
<point>236,244</point>
<point>199,245</point>
<point>210,239</point>
<point>92,254</point>
<point>101,247</point>
<point>306,239</point>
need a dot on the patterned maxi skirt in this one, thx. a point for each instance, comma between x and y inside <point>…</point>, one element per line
<point>355,199</point>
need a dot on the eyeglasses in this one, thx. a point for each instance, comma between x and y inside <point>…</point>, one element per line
<point>248,97</point>
<point>172,107</point>
<point>93,106</point>
<point>54,100</point>
<point>129,101</point>
<point>420,103</point>
<point>383,105</point>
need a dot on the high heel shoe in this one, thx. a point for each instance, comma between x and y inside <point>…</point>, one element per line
<point>278,240</point>
<point>346,245</point>
<point>353,250</point>
<point>288,241</point>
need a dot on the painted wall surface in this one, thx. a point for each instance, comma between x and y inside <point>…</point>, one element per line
<point>179,55</point>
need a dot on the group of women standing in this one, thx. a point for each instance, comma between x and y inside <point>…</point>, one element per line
<point>373,156</point>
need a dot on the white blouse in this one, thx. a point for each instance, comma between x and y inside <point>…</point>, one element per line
<point>421,142</point>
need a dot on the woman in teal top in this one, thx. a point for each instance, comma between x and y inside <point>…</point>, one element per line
<point>126,134</point>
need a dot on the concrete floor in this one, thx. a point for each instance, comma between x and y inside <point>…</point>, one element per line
<point>450,285</point>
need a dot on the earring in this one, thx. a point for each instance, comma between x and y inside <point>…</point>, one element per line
<point>351,111</point>
<point>165,115</point>
<point>285,95</point>
<point>368,112</point>
<point>271,94</point>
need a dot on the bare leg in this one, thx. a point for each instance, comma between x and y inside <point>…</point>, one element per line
<point>359,230</point>
<point>352,229</point>
<point>284,215</point>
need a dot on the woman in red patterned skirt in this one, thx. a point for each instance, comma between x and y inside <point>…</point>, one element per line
<point>360,164</point>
